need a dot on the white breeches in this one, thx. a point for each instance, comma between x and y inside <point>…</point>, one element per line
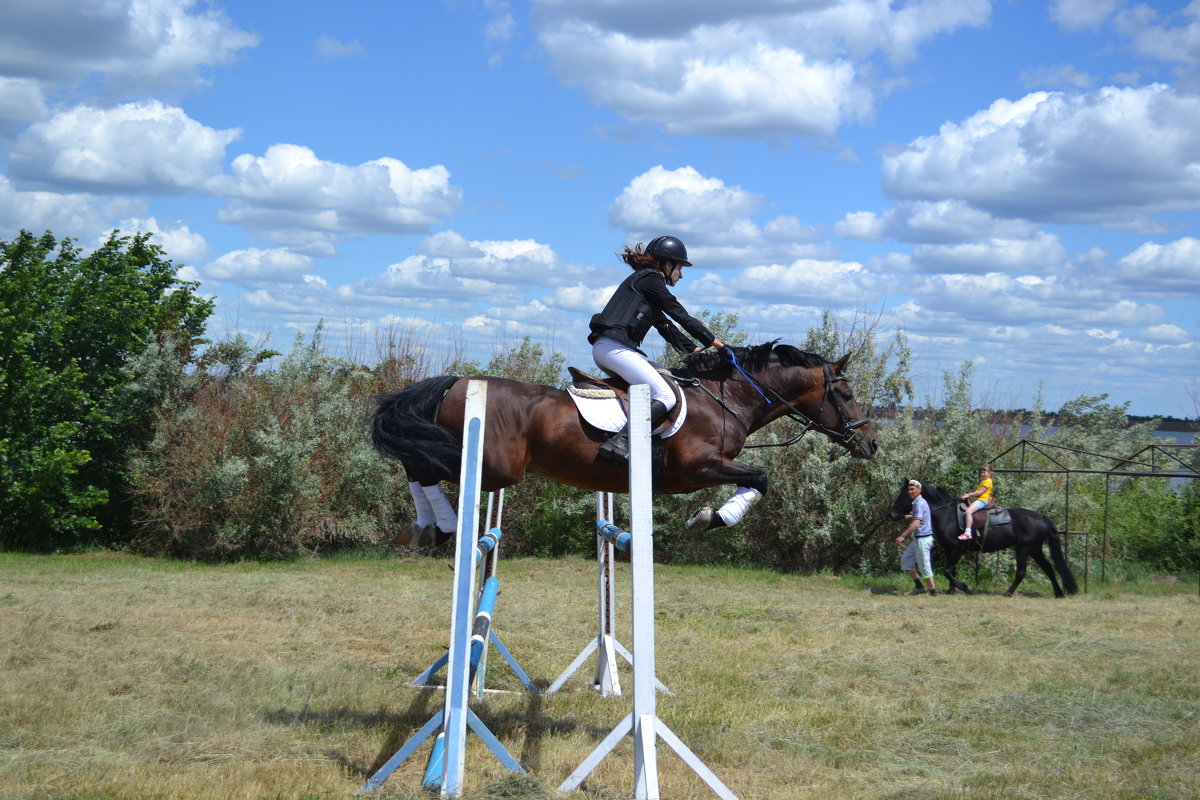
<point>631,365</point>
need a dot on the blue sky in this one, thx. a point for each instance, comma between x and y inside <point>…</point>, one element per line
<point>1015,184</point>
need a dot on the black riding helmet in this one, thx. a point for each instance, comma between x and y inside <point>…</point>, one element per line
<point>668,247</point>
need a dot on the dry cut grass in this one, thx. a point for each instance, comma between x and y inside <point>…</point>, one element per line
<point>131,678</point>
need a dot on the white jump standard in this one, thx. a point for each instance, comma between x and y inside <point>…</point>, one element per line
<point>643,722</point>
<point>605,645</point>
<point>444,773</point>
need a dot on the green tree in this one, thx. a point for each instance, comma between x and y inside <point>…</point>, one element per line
<point>69,326</point>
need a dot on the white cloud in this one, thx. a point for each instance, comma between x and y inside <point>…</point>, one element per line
<point>1049,156</point>
<point>134,46</point>
<point>1031,300</point>
<point>805,281</point>
<point>1041,254</point>
<point>714,220</point>
<point>1173,40</point>
<point>1165,334</point>
<point>328,48</point>
<point>944,221</point>
<point>253,266</point>
<point>290,188</point>
<point>77,215</point>
<point>144,147</point>
<point>181,244</point>
<point>745,70</point>
<point>1058,76</point>
<point>422,277</point>
<point>1074,15</point>
<point>21,101</point>
<point>1157,269</point>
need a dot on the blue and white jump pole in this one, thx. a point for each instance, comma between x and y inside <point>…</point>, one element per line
<point>444,773</point>
<point>643,722</point>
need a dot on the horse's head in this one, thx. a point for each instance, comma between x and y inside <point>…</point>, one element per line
<point>796,384</point>
<point>902,504</point>
<point>839,415</point>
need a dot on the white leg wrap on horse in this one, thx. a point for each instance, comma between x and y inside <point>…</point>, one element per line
<point>736,507</point>
<point>447,518</point>
<point>425,515</point>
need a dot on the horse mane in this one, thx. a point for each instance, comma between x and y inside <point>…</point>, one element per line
<point>938,494</point>
<point>753,358</point>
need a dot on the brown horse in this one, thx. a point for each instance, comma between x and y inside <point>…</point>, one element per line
<point>539,428</point>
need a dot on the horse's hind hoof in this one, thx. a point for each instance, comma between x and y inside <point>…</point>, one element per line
<point>422,536</point>
<point>409,536</point>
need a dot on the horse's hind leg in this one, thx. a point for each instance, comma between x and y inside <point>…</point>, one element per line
<point>436,518</point>
<point>1044,563</point>
<point>1022,564</point>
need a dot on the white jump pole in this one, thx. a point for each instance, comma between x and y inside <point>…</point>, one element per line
<point>643,722</point>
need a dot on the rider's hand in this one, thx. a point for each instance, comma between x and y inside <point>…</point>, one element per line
<point>717,343</point>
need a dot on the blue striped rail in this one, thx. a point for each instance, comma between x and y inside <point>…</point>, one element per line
<point>620,538</point>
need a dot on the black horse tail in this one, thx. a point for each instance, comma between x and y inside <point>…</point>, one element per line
<point>1060,559</point>
<point>403,428</point>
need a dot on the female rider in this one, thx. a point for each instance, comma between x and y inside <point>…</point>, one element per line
<point>644,300</point>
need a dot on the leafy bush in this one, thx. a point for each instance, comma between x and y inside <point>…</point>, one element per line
<point>70,327</point>
<point>245,464</point>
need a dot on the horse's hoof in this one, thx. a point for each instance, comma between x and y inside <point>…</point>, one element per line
<point>705,519</point>
<point>408,536</point>
<point>1008,594</point>
<point>700,519</point>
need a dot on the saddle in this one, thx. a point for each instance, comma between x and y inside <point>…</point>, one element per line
<point>984,518</point>
<point>613,394</point>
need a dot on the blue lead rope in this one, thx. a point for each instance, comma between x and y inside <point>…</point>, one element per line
<point>738,367</point>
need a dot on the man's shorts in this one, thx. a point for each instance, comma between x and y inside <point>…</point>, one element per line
<point>918,556</point>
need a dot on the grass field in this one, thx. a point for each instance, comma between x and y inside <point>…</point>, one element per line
<point>131,678</point>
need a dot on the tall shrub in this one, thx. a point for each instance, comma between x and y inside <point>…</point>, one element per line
<point>69,326</point>
<point>250,463</point>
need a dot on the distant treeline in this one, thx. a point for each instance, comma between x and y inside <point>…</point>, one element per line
<point>1052,419</point>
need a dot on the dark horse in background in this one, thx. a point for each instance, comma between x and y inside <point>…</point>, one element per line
<point>539,429</point>
<point>1027,532</point>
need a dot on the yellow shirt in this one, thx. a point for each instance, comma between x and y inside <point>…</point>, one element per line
<point>986,486</point>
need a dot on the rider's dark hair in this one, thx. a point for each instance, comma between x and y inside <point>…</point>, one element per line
<point>637,258</point>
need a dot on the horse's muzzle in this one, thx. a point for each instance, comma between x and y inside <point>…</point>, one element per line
<point>859,439</point>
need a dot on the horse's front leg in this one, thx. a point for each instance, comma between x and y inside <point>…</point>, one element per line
<point>752,487</point>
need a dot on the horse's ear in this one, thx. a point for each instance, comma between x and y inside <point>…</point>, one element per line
<point>839,366</point>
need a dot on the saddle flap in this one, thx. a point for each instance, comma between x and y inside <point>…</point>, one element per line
<point>993,515</point>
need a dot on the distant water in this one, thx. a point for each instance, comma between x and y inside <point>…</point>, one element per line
<point>1178,437</point>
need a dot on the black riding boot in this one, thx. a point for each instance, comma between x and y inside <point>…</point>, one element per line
<point>617,446</point>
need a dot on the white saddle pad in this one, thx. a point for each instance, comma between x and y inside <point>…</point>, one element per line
<point>606,413</point>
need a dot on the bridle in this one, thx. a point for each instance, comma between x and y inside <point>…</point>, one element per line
<point>848,436</point>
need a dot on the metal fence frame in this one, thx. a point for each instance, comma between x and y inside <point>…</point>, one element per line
<point>1149,462</point>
